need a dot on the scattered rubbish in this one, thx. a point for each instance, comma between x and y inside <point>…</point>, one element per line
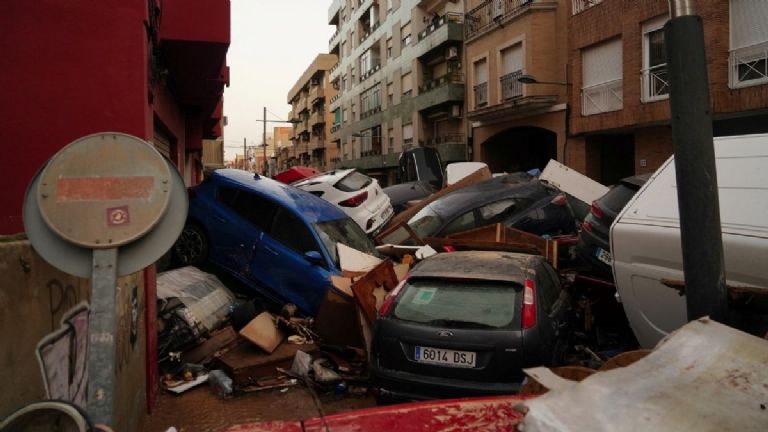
<point>179,387</point>
<point>220,382</point>
<point>575,185</point>
<point>263,332</point>
<point>371,288</point>
<point>340,388</point>
<point>204,352</point>
<point>353,262</point>
<point>301,364</point>
<point>297,340</point>
<point>425,252</point>
<point>323,373</point>
<point>206,298</point>
<point>246,363</point>
<point>283,390</point>
<point>243,312</point>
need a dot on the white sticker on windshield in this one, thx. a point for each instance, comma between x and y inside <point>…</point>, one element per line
<point>424,296</point>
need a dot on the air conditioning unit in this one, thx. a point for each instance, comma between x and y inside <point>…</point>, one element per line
<point>452,53</point>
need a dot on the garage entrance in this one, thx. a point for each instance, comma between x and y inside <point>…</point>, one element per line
<point>520,149</point>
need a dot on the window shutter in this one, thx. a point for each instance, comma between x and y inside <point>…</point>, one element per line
<point>408,131</point>
<point>407,84</point>
<point>481,72</point>
<point>602,63</point>
<point>512,59</point>
<point>749,23</point>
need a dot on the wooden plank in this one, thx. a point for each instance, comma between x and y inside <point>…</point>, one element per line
<point>263,332</point>
<point>370,289</point>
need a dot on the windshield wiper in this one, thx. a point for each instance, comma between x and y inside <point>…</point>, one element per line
<point>458,323</point>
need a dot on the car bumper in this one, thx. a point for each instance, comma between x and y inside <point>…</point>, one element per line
<point>398,386</point>
<point>586,249</point>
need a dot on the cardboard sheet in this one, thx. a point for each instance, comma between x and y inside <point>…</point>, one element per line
<point>263,332</point>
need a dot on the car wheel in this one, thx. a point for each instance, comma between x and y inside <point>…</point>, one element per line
<point>191,248</point>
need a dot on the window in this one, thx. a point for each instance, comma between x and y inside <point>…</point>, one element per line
<point>602,89</point>
<point>407,84</point>
<point>391,139</point>
<point>408,135</point>
<point>481,83</point>
<point>389,5</point>
<point>390,94</point>
<point>749,43</point>
<point>654,74</point>
<point>345,231</point>
<point>253,208</point>
<point>405,32</point>
<point>293,233</point>
<point>344,115</point>
<point>512,69</point>
<point>462,223</point>
<point>366,62</point>
<point>389,47</point>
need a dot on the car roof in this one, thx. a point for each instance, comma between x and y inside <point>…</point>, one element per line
<point>326,177</point>
<point>478,265</point>
<point>464,199</point>
<point>312,208</point>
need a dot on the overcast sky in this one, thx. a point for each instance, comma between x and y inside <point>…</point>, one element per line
<point>273,42</point>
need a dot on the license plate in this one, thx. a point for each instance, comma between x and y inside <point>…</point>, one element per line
<point>604,256</point>
<point>444,357</point>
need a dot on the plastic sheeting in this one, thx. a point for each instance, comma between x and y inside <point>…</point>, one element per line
<point>206,298</point>
<point>704,377</point>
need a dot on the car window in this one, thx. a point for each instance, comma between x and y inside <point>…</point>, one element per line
<point>498,210</point>
<point>293,233</point>
<point>353,182</point>
<point>616,198</point>
<point>462,223</point>
<point>344,231</point>
<point>458,303</point>
<point>426,222</point>
<point>250,206</point>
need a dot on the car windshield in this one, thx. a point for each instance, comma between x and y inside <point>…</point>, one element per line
<point>426,222</point>
<point>458,303</point>
<point>353,182</point>
<point>346,232</point>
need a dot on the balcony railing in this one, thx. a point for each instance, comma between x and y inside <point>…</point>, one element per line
<point>316,92</point>
<point>334,40</point>
<point>655,83</point>
<point>580,6</point>
<point>369,31</point>
<point>335,127</point>
<point>367,113</point>
<point>602,98</point>
<point>481,95</point>
<point>370,152</point>
<point>375,68</point>
<point>451,77</point>
<point>749,66</point>
<point>436,24</point>
<point>510,86</point>
<point>490,13</point>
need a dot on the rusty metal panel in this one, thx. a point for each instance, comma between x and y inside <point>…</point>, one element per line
<point>104,190</point>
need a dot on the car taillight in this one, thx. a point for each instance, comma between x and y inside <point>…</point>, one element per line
<point>586,226</point>
<point>355,200</point>
<point>529,304</point>
<point>596,210</point>
<point>559,199</point>
<point>390,299</point>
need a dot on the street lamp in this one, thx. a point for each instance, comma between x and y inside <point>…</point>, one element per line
<point>530,79</point>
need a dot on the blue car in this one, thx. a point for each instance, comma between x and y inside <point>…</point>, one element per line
<point>274,237</point>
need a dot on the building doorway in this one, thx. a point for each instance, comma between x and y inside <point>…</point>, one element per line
<point>520,149</point>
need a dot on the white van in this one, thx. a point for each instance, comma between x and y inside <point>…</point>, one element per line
<point>645,237</point>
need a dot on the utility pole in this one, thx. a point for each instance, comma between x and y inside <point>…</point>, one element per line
<point>245,155</point>
<point>264,138</point>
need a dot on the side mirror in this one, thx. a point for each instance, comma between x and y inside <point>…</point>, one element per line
<point>314,257</point>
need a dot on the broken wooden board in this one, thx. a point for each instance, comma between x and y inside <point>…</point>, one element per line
<point>263,332</point>
<point>205,351</point>
<point>336,320</point>
<point>353,262</point>
<point>247,364</point>
<point>399,234</point>
<point>371,289</point>
<point>404,216</point>
<point>498,237</point>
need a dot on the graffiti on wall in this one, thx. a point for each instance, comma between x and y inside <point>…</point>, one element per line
<point>63,357</point>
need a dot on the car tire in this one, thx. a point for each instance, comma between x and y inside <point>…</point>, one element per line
<point>191,248</point>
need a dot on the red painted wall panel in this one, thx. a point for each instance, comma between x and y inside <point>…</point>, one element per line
<point>70,69</point>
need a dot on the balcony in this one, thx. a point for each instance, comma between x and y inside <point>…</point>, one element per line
<point>316,93</point>
<point>436,36</point>
<point>602,98</point>
<point>334,41</point>
<point>375,68</point>
<point>302,127</point>
<point>335,127</point>
<point>441,90</point>
<point>302,105</point>
<point>452,147</point>
<point>654,83</point>
<point>317,117</point>
<point>510,87</point>
<point>316,142</point>
<point>451,77</point>
<point>371,160</point>
<point>333,12</point>
<point>579,6</point>
<point>492,13</point>
<point>481,95</point>
<point>369,32</point>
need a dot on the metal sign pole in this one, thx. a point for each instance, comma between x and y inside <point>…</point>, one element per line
<point>101,336</point>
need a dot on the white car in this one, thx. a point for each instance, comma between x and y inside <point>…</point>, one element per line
<point>357,194</point>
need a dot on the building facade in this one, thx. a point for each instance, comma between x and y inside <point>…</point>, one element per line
<point>309,99</point>
<point>517,126</point>
<point>620,116</point>
<point>400,81</point>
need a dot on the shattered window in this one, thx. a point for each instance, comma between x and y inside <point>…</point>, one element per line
<point>462,223</point>
<point>426,222</point>
<point>457,303</point>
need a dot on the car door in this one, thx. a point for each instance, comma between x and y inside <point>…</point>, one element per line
<point>239,225</point>
<point>281,255</point>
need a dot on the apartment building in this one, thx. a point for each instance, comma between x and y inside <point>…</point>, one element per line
<point>400,81</point>
<point>515,123</point>
<point>620,112</point>
<point>311,145</point>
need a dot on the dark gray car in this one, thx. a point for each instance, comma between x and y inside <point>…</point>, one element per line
<point>466,324</point>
